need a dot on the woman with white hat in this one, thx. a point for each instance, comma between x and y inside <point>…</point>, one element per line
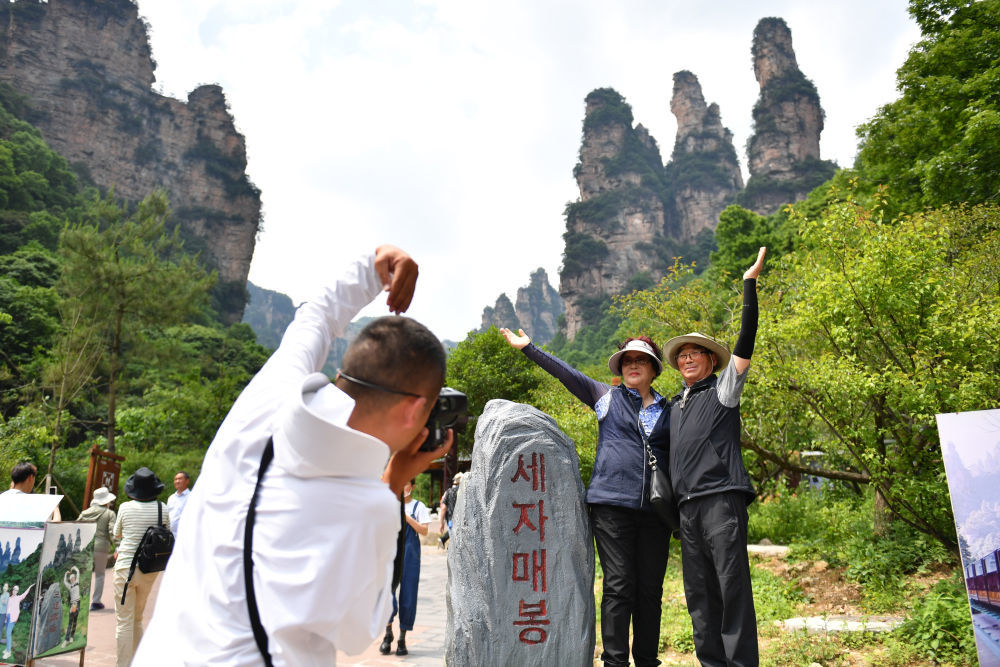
<point>632,542</point>
<point>100,513</point>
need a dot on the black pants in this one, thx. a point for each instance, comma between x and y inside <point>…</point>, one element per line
<point>71,624</point>
<point>717,579</point>
<point>633,547</point>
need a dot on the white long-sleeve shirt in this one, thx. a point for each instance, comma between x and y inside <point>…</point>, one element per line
<point>325,533</point>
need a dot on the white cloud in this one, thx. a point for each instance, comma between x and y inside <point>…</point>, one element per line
<point>451,127</point>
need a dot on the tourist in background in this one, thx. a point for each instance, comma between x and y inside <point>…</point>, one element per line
<point>100,513</point>
<point>418,519</point>
<point>632,542</point>
<point>447,508</point>
<point>134,517</point>
<point>178,499</point>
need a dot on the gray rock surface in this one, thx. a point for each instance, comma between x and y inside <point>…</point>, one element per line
<point>521,557</point>
<point>48,633</point>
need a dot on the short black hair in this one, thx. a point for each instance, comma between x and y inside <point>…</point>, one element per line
<point>183,472</point>
<point>396,353</point>
<point>23,471</point>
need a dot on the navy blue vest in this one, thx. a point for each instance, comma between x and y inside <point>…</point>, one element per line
<point>621,472</point>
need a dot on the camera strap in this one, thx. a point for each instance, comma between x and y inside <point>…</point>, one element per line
<point>259,635</point>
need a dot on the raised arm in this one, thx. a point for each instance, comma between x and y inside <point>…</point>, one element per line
<point>743,349</point>
<point>586,389</point>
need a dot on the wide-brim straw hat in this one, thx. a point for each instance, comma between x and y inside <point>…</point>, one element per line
<point>102,497</point>
<point>674,345</point>
<point>615,363</point>
<point>143,485</point>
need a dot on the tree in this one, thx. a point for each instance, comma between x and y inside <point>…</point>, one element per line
<point>871,329</point>
<point>940,142</point>
<point>484,367</point>
<point>127,274</point>
<point>867,331</point>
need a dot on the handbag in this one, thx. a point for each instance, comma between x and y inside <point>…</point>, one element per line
<point>661,491</point>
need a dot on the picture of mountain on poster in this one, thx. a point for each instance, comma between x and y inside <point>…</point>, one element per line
<point>970,446</point>
<point>20,555</point>
<point>64,596</point>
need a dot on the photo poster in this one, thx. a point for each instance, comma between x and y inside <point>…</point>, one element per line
<point>63,607</point>
<point>20,559</point>
<point>970,447</point>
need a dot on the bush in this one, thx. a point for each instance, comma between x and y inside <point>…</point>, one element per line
<point>938,627</point>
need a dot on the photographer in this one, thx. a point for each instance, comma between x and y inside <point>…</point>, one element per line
<point>327,507</point>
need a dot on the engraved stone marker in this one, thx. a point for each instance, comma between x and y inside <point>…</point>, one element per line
<point>48,632</point>
<point>521,557</point>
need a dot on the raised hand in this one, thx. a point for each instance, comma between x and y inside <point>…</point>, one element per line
<point>518,340</point>
<point>398,273</point>
<point>754,270</point>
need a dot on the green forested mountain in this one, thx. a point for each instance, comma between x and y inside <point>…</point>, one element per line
<point>107,336</point>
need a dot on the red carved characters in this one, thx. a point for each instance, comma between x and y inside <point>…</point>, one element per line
<point>530,566</point>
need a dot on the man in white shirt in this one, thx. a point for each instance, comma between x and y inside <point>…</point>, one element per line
<point>22,478</point>
<point>177,499</point>
<point>327,510</point>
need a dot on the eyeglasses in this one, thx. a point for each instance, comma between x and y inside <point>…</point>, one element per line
<point>372,385</point>
<point>641,360</point>
<point>694,354</point>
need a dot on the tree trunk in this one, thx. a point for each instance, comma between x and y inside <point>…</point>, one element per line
<point>882,514</point>
<point>112,373</point>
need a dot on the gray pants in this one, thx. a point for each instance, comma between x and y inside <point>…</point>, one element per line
<point>100,568</point>
<point>717,579</point>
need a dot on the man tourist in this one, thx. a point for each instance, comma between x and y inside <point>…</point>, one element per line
<point>104,517</point>
<point>22,479</point>
<point>134,517</point>
<point>713,488</point>
<point>327,507</point>
<point>447,508</point>
<point>178,499</point>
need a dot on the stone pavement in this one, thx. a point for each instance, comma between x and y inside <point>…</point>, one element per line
<point>425,642</point>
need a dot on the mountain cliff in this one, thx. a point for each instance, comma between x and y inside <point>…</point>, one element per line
<point>87,71</point>
<point>783,153</point>
<point>537,310</point>
<point>635,215</point>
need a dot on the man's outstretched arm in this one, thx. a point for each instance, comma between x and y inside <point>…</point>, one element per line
<point>743,349</point>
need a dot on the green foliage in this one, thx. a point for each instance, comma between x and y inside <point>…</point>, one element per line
<point>595,342</point>
<point>774,598</point>
<point>740,234</point>
<point>874,328</point>
<point>574,418</point>
<point>938,627</point>
<point>940,141</point>
<point>485,367</point>
<point>582,251</point>
<point>608,108</point>
<point>809,174</point>
<point>127,274</point>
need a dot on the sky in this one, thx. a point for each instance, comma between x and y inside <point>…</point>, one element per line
<point>450,128</point>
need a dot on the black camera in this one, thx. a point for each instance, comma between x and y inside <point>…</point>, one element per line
<point>450,411</point>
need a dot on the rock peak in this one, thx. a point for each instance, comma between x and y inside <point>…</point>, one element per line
<point>783,153</point>
<point>773,55</point>
<point>87,71</point>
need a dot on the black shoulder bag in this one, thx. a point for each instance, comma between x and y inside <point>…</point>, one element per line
<point>661,491</point>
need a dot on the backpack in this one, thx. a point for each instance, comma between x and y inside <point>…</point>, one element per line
<point>154,549</point>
